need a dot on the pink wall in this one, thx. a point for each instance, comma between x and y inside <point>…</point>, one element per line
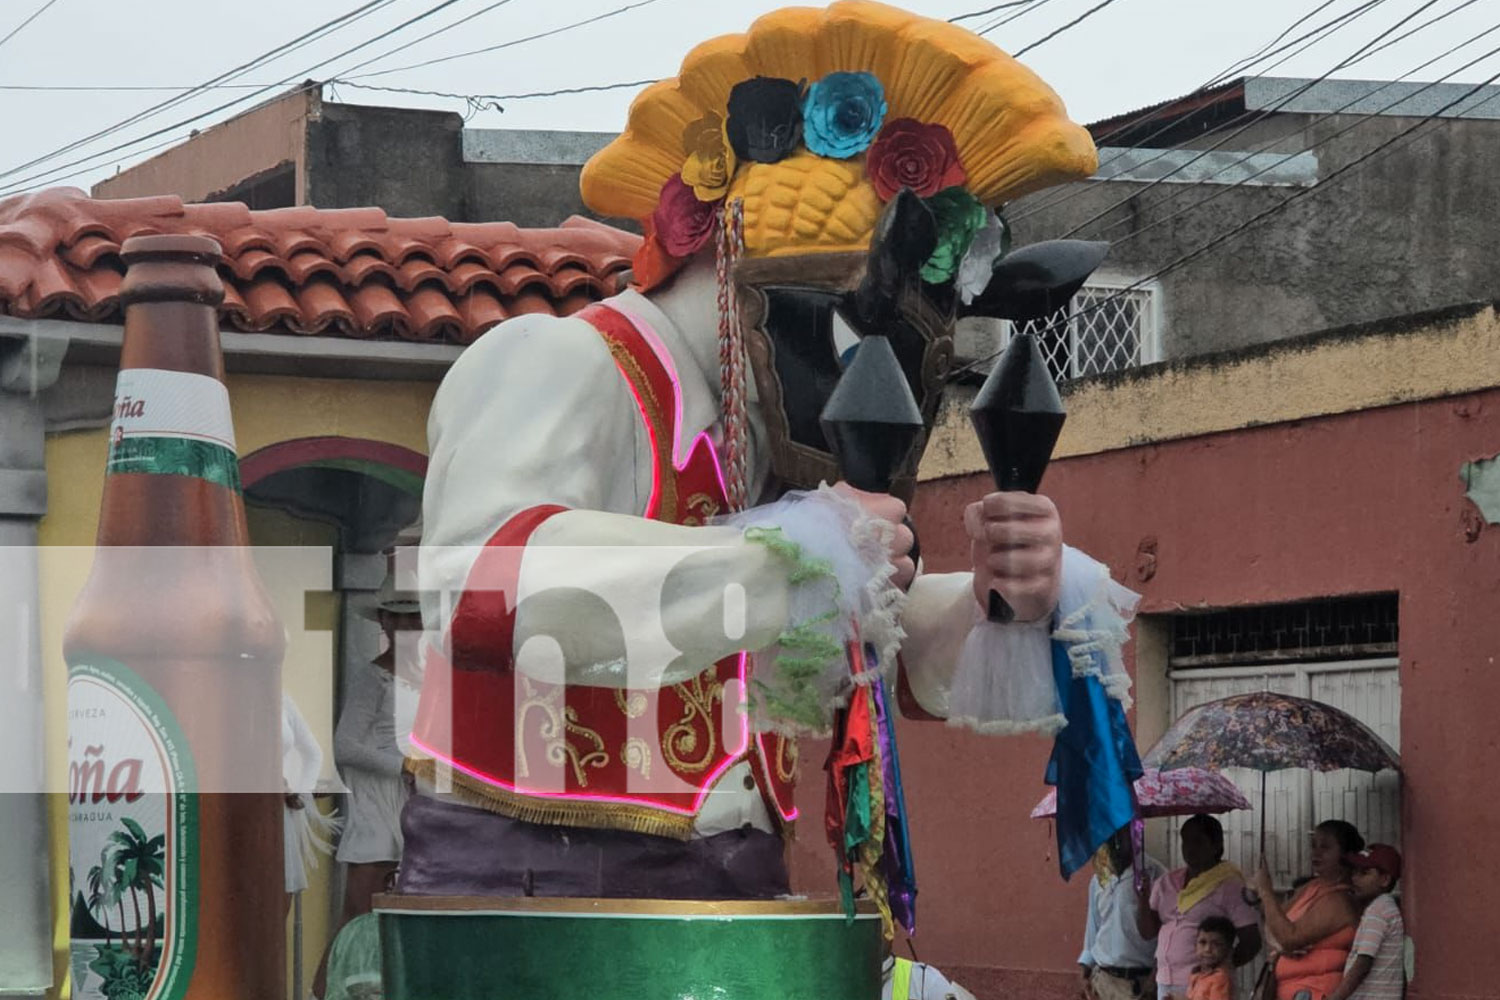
<point>1357,503</point>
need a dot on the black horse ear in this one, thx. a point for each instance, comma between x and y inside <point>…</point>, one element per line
<point>1037,280</point>
<point>905,237</point>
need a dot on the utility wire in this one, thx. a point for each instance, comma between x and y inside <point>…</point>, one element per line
<point>1071,24</point>
<point>327,27</point>
<point>1400,137</point>
<point>1129,123</point>
<point>27,182</point>
<point>431,34</point>
<point>505,45</point>
<point>1001,22</point>
<point>1263,147</point>
<point>1255,56</point>
<point>1255,118</point>
<point>988,10</point>
<point>1325,140</point>
<point>34,15</point>
<point>1304,41</point>
<point>121,88</point>
<point>494,97</point>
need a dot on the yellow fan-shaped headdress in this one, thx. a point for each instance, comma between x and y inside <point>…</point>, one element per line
<point>1010,130</point>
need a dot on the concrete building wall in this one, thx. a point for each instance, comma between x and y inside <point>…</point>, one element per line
<point>1342,489</point>
<point>406,161</point>
<point>1406,231</point>
<point>222,157</point>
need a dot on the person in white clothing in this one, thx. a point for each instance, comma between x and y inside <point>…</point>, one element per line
<point>1117,962</point>
<point>369,760</point>
<point>306,830</point>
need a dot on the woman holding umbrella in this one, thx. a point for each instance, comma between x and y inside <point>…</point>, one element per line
<point>1314,932</point>
<point>1207,886</point>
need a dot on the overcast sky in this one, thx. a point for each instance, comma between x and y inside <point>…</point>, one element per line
<point>1129,54</point>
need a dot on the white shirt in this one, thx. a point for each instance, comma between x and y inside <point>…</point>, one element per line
<point>1110,937</point>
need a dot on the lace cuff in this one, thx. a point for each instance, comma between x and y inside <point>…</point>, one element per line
<point>1004,681</point>
<point>840,591</point>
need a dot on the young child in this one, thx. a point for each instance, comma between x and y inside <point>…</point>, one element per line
<point>1212,978</point>
<point>1376,969</point>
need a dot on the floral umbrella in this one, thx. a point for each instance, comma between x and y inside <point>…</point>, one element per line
<point>1182,792</point>
<point>1270,732</point>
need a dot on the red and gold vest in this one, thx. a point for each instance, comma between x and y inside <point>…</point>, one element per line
<point>592,756</point>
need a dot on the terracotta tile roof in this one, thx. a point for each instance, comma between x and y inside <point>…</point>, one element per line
<point>336,272</point>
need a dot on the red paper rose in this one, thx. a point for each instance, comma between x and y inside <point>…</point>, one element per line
<point>683,224</point>
<point>911,154</point>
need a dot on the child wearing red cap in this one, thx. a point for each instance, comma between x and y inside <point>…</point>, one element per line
<point>1376,968</point>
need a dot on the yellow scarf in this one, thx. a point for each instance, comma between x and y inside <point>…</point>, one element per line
<point>1197,888</point>
<point>1103,870</point>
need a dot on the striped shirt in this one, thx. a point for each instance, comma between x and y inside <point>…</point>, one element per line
<point>1381,936</point>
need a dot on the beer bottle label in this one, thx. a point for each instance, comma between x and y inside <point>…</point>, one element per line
<point>132,838</point>
<point>173,423</point>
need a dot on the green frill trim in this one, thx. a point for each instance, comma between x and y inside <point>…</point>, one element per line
<point>806,649</point>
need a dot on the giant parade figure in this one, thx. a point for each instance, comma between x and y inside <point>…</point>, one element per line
<point>638,584</point>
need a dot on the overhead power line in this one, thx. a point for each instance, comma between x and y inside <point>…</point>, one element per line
<point>505,45</point>
<point>484,98</point>
<point>1362,120</point>
<point>989,10</point>
<point>431,34</point>
<point>1258,117</point>
<point>321,30</point>
<point>1071,24</point>
<point>113,88</point>
<point>1003,21</point>
<point>1401,137</point>
<point>1133,122</point>
<point>27,182</point>
<point>34,15</point>
<point>1249,118</point>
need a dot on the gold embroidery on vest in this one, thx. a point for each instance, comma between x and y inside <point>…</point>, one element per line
<point>701,507</point>
<point>633,703</point>
<point>556,811</point>
<point>682,737</point>
<point>662,430</point>
<point>595,758</point>
<point>637,756</point>
<point>786,758</point>
<point>556,724</point>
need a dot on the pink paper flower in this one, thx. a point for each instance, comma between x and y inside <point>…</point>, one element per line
<point>683,223</point>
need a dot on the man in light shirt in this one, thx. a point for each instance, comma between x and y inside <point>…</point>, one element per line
<point>1117,962</point>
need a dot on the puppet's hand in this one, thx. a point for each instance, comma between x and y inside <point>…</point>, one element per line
<point>885,507</point>
<point>1015,547</point>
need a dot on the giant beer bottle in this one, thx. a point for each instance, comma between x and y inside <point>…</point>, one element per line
<point>174,660</point>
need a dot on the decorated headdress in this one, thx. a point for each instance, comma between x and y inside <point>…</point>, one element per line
<point>814,118</point>
<point>795,139</point>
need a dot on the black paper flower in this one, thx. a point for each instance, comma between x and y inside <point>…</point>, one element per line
<point>765,118</point>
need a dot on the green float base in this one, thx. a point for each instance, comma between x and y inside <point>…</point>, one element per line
<point>485,948</point>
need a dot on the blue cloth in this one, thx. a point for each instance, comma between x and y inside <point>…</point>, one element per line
<point>1094,764</point>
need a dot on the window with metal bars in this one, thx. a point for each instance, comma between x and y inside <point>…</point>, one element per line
<point>1338,628</point>
<point>1108,326</point>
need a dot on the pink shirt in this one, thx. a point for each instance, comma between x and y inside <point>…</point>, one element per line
<point>1175,945</point>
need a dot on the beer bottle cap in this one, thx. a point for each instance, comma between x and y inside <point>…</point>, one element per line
<point>171,268</point>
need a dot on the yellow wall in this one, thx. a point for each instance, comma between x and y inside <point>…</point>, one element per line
<point>1294,380</point>
<point>267,410</point>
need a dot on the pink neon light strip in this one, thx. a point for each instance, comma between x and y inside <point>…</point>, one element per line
<point>680,455</point>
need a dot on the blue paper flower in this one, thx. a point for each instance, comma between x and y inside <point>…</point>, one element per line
<point>842,114</point>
